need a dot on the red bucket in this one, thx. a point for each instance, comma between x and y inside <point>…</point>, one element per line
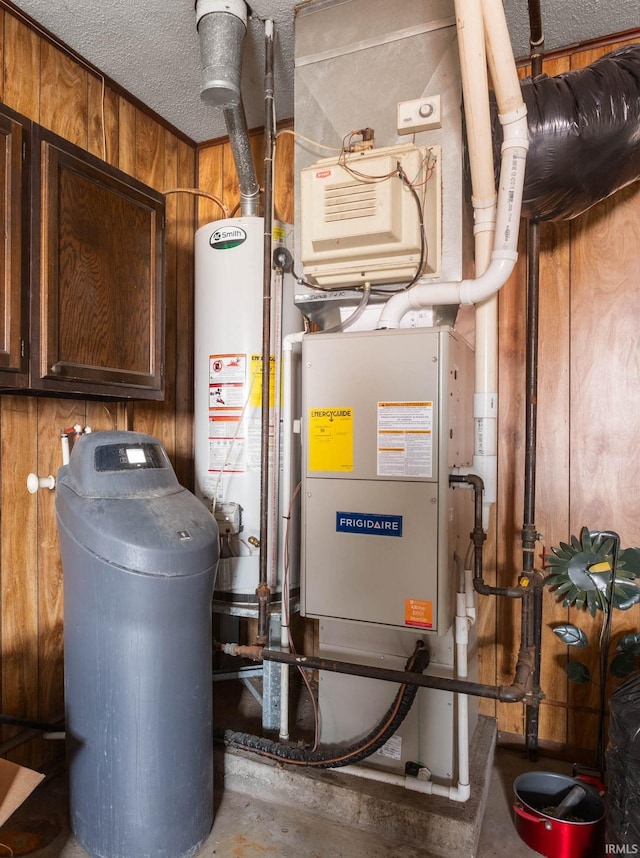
<point>579,835</point>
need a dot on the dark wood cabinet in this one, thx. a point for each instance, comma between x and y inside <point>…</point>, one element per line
<point>15,138</point>
<point>81,271</point>
<point>97,276</point>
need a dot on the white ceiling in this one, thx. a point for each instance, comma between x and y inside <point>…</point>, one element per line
<point>151,47</point>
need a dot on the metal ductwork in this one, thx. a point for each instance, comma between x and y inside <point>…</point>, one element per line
<point>222,26</point>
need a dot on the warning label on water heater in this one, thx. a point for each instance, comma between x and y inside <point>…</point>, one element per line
<point>405,439</point>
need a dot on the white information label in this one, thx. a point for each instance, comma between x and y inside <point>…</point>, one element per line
<point>405,439</point>
<point>392,748</point>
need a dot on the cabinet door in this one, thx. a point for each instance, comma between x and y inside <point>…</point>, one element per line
<point>97,306</point>
<point>14,268</point>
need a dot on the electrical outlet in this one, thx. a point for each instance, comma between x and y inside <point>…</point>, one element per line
<point>421,114</point>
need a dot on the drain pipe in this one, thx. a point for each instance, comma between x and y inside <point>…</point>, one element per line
<point>529,531</point>
<point>222,26</point>
<point>263,592</point>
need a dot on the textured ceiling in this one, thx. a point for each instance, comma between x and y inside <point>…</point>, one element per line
<point>151,47</point>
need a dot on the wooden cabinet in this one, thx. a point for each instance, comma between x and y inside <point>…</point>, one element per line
<point>97,276</point>
<point>15,141</point>
<point>81,271</point>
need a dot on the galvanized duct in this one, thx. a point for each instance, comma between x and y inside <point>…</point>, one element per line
<point>222,26</point>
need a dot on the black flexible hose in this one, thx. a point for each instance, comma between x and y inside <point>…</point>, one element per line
<point>334,756</point>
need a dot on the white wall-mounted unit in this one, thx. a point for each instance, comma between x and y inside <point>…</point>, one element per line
<point>353,66</point>
<point>361,216</point>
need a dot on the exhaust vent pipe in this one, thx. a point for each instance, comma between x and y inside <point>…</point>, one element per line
<point>222,26</point>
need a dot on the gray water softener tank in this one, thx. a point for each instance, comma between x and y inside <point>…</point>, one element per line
<point>139,556</point>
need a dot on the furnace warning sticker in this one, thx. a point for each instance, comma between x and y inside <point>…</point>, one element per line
<point>418,613</point>
<point>405,439</point>
<point>227,381</point>
<point>331,439</point>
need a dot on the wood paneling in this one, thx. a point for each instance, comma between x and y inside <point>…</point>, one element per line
<point>40,81</point>
<point>588,420</point>
<point>588,390</point>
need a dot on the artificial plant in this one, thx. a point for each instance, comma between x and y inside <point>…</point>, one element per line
<point>593,573</point>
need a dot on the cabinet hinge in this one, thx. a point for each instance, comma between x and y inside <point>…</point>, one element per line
<point>24,150</point>
<point>22,348</point>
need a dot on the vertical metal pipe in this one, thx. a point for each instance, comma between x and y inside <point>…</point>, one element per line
<point>532,610</point>
<point>262,591</point>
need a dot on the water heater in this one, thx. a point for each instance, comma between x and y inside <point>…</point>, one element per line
<point>228,392</point>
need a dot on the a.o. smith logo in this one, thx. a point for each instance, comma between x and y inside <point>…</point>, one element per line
<point>370,523</point>
<point>226,237</point>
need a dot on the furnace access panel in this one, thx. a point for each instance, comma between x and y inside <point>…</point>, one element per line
<point>386,415</point>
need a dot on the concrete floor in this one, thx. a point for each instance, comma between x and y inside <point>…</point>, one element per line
<point>263,809</point>
<point>246,826</point>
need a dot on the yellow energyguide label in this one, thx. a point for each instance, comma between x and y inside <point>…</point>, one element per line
<point>331,439</point>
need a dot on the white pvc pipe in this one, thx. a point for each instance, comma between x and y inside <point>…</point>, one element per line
<point>462,790</point>
<point>287,494</point>
<point>496,242</point>
<point>504,254</point>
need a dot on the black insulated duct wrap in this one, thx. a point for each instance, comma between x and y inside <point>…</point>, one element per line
<point>584,135</point>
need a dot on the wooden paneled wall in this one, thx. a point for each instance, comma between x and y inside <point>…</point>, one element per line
<point>589,395</point>
<point>45,84</point>
<point>588,427</point>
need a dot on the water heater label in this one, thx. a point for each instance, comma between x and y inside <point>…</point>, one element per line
<point>370,523</point>
<point>227,237</point>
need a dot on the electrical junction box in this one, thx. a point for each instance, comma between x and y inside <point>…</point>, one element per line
<point>386,416</point>
<point>360,223</point>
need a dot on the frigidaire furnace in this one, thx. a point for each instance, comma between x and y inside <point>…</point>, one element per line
<point>387,418</point>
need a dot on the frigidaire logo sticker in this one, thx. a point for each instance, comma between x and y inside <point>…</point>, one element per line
<point>370,523</point>
<point>227,237</point>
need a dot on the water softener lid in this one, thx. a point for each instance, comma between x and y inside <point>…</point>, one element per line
<point>136,518</point>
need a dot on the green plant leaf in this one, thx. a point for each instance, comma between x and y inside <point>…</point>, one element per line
<point>571,635</point>
<point>631,559</point>
<point>626,595</point>
<point>629,642</point>
<point>570,597</point>
<point>605,548</point>
<point>585,539</point>
<point>554,579</point>
<point>577,672</point>
<point>622,665</point>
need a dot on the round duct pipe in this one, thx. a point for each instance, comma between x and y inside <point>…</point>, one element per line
<point>222,26</point>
